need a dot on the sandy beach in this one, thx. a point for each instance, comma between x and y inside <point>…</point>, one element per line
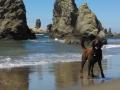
<point>61,76</point>
<point>112,85</point>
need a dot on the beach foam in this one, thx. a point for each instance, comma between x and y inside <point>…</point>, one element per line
<point>110,46</point>
<point>39,59</point>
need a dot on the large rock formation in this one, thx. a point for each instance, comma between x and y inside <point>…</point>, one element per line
<point>64,18</point>
<point>69,21</point>
<point>13,23</point>
<point>87,23</point>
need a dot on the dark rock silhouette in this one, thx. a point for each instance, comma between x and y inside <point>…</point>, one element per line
<point>49,26</point>
<point>38,23</point>
<point>13,24</point>
<point>105,30</point>
<point>109,33</point>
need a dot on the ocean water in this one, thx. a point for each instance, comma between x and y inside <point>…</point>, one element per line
<point>47,50</point>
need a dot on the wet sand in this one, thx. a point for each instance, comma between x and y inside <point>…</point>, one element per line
<point>112,85</point>
<point>61,76</point>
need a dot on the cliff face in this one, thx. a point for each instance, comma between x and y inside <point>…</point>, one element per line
<point>64,17</point>
<point>87,22</point>
<point>13,23</point>
<point>70,21</point>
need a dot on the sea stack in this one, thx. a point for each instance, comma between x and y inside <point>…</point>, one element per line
<point>64,18</point>
<point>13,24</point>
<point>87,23</point>
<point>38,23</point>
<point>71,23</point>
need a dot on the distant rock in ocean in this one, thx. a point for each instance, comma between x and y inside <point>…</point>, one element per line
<point>36,30</point>
<point>116,35</point>
<point>109,33</point>
<point>49,26</point>
<point>38,23</point>
<point>13,24</point>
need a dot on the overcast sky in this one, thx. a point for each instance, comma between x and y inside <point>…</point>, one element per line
<point>107,12</point>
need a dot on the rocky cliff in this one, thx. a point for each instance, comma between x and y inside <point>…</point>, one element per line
<point>13,23</point>
<point>87,23</point>
<point>70,21</point>
<point>64,18</point>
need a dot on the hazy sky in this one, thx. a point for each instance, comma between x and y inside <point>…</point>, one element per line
<point>107,11</point>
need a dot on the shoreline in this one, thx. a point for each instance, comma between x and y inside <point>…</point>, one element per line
<point>62,76</point>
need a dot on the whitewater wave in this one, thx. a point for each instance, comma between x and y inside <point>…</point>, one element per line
<point>110,46</point>
<point>46,36</point>
<point>40,59</point>
<point>60,40</point>
<point>39,34</point>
